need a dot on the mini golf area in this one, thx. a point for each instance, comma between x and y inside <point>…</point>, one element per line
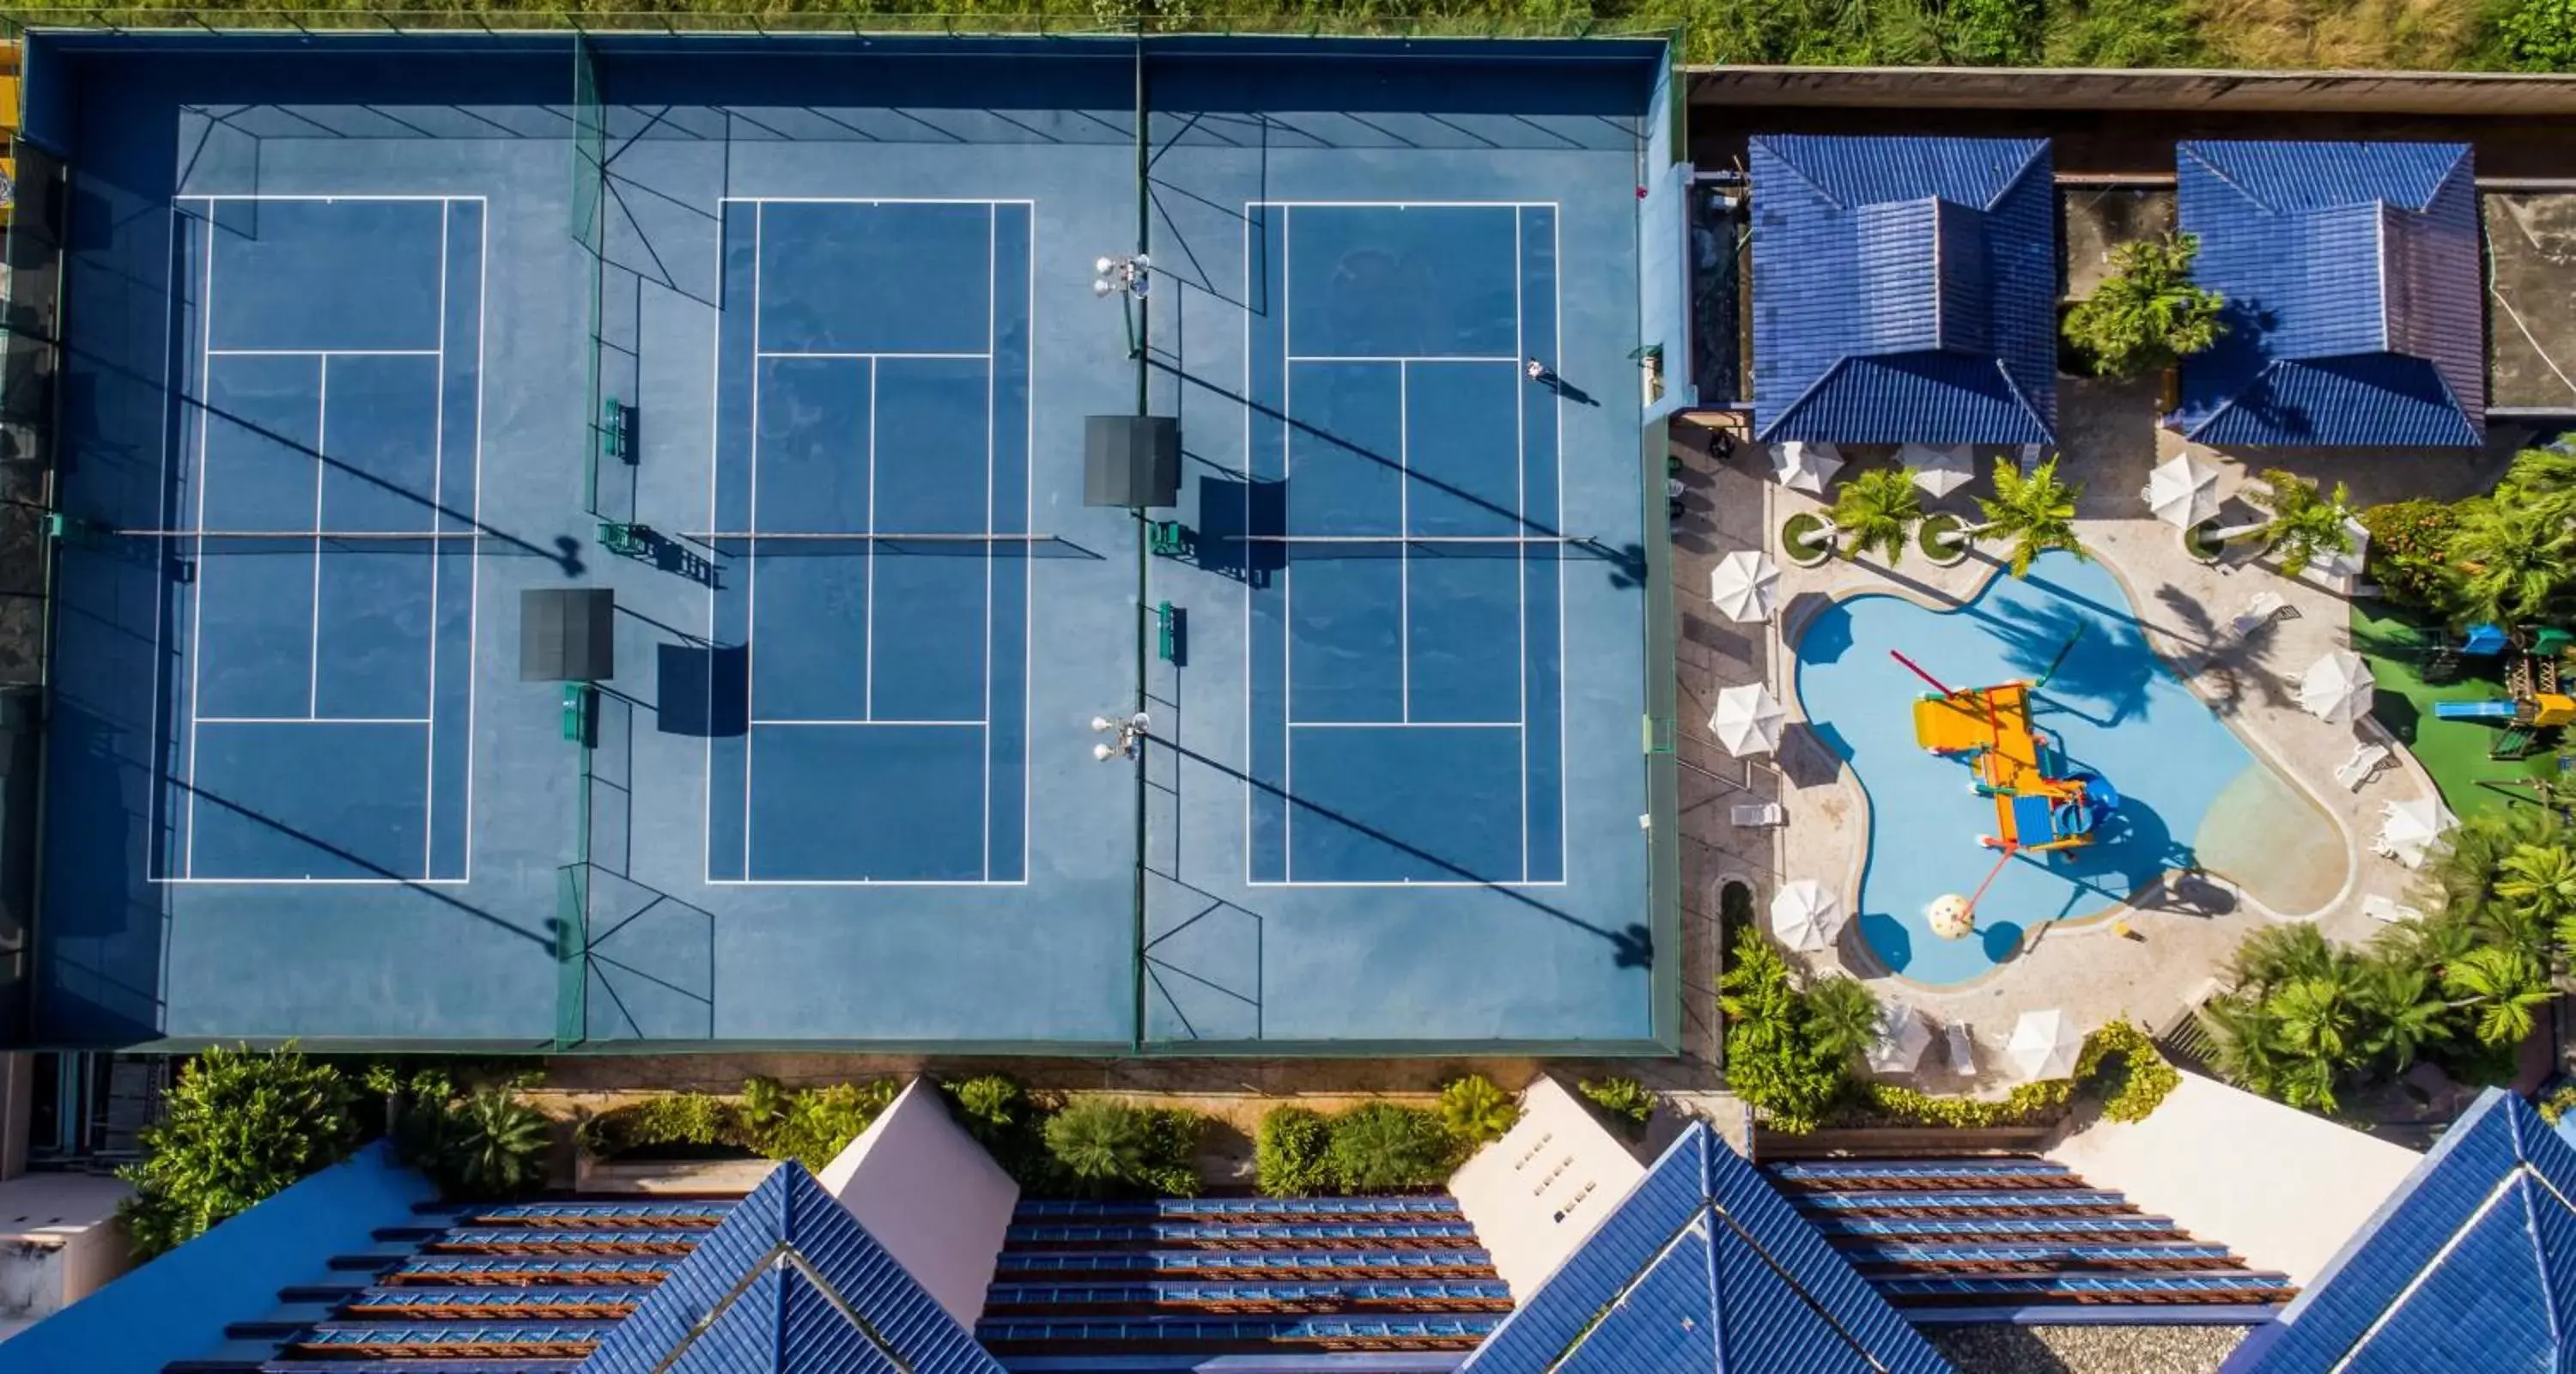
<point>2105,773</point>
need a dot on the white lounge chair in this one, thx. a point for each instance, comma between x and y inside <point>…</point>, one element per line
<point>2366,761</point>
<point>1961,1050</point>
<point>2265,608</point>
<point>1757,815</point>
<point>2388,910</point>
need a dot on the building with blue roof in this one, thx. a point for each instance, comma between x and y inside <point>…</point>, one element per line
<point>2471,1264</point>
<point>2354,312</point>
<point>1904,290</point>
<point>1704,1267</point>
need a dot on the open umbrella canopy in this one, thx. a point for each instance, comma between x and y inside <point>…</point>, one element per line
<point>2408,828</point>
<point>2044,1044</point>
<point>1903,1035</point>
<point>1805,916</point>
<point>1940,469</point>
<point>1801,465</point>
<point>1745,585</point>
<point>2183,491</point>
<point>2336,687</point>
<point>1747,720</point>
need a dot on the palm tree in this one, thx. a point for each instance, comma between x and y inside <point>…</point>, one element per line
<point>2247,1042</point>
<point>2277,955</point>
<point>2146,314</point>
<point>2464,875</point>
<point>2316,1020</point>
<point>2541,879</point>
<point>2298,523</point>
<point>1878,510</point>
<point>496,1144</point>
<point>2401,1008</point>
<point>2037,513</point>
<point>1841,1019</point>
<point>2499,987</point>
<point>1099,1141</point>
<point>1475,1110</point>
<point>2510,561</point>
<point>2541,478</point>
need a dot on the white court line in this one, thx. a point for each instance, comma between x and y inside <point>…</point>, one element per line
<point>715,464</point>
<point>870,353</point>
<point>1028,574</point>
<point>873,200</point>
<point>474,514</point>
<point>1287,589</point>
<point>155,854</point>
<point>992,338</point>
<point>1520,513</point>
<point>313,720</point>
<point>321,468</point>
<point>345,352</point>
<point>323,199</point>
<point>437,503</point>
<point>1556,460</point>
<point>1408,724</point>
<point>1400,205</point>
<point>751,574</point>
<point>824,721</point>
<point>1404,552</point>
<point>1401,358</point>
<point>205,477</point>
<point>867,882</point>
<point>868,618</point>
<point>1252,472</point>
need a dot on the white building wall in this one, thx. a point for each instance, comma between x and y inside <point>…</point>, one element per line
<point>2280,1187</point>
<point>1537,1192</point>
<point>930,1196</point>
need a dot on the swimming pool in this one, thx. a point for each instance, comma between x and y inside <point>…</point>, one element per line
<point>2192,794</point>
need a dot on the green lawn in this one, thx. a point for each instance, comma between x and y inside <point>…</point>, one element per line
<point>2453,751</point>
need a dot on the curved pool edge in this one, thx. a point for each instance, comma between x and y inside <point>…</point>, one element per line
<point>2095,923</point>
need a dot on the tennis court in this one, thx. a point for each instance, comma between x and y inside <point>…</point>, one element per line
<point>321,578</point>
<point>1406,690</point>
<point>871,498</point>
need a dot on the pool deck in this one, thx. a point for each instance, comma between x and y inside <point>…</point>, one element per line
<point>2183,931</point>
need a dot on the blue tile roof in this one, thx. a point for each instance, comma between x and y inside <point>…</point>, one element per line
<point>2355,312</point>
<point>2470,1264</point>
<point>789,1283</point>
<point>1904,289</point>
<point>1701,1268</point>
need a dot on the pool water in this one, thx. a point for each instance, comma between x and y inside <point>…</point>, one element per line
<point>2192,794</point>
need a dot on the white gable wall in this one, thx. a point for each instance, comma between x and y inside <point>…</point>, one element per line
<point>1535,1194</point>
<point>930,1195</point>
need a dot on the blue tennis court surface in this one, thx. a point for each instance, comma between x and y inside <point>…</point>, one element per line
<point>791,346</point>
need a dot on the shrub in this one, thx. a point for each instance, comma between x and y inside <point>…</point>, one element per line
<point>1770,1060</point>
<point>1171,1166</point>
<point>2538,36</point>
<point>668,1119</point>
<point>2147,314</point>
<point>1011,1126</point>
<point>809,1125</point>
<point>2124,1069</point>
<point>1382,1145</point>
<point>488,1146</point>
<point>1289,1154</point>
<point>239,1126</point>
<point>2555,1105</point>
<point>1476,1111</point>
<point>2409,544</point>
<point>1628,1102</point>
<point>1104,1147</point>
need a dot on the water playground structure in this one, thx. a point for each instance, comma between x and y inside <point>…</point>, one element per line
<point>2534,698</point>
<point>2044,802</point>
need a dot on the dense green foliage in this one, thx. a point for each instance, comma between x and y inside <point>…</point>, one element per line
<point>1793,1051</point>
<point>2408,542</point>
<point>1628,1103</point>
<point>1375,1147</point>
<point>2537,35</point>
<point>2146,314</point>
<point>238,1126</point>
<point>1289,1152</point>
<point>1476,1111</point>
<point>810,1125</point>
<point>1382,1146</point>
<point>488,1145</point>
<point>1093,1145</point>
<point>2461,986</point>
<point>2302,524</point>
<point>2034,514</point>
<point>1876,512</point>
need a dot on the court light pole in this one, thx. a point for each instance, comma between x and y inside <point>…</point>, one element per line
<point>1128,276</point>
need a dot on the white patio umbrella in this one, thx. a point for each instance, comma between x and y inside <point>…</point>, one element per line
<point>2341,570</point>
<point>1747,720</point>
<point>1803,465</point>
<point>2043,1045</point>
<point>2183,491</point>
<point>1745,585</point>
<point>1805,916</point>
<point>2336,687</point>
<point>1903,1036</point>
<point>2407,828</point>
<point>1939,470</point>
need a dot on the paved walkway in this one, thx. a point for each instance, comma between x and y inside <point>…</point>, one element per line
<point>2181,934</point>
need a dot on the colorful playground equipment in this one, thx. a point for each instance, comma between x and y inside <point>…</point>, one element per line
<point>2043,800</point>
<point>2534,699</point>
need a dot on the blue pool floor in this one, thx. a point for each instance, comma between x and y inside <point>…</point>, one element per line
<point>2114,705</point>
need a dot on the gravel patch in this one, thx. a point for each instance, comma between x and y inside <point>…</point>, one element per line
<point>2007,1349</point>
